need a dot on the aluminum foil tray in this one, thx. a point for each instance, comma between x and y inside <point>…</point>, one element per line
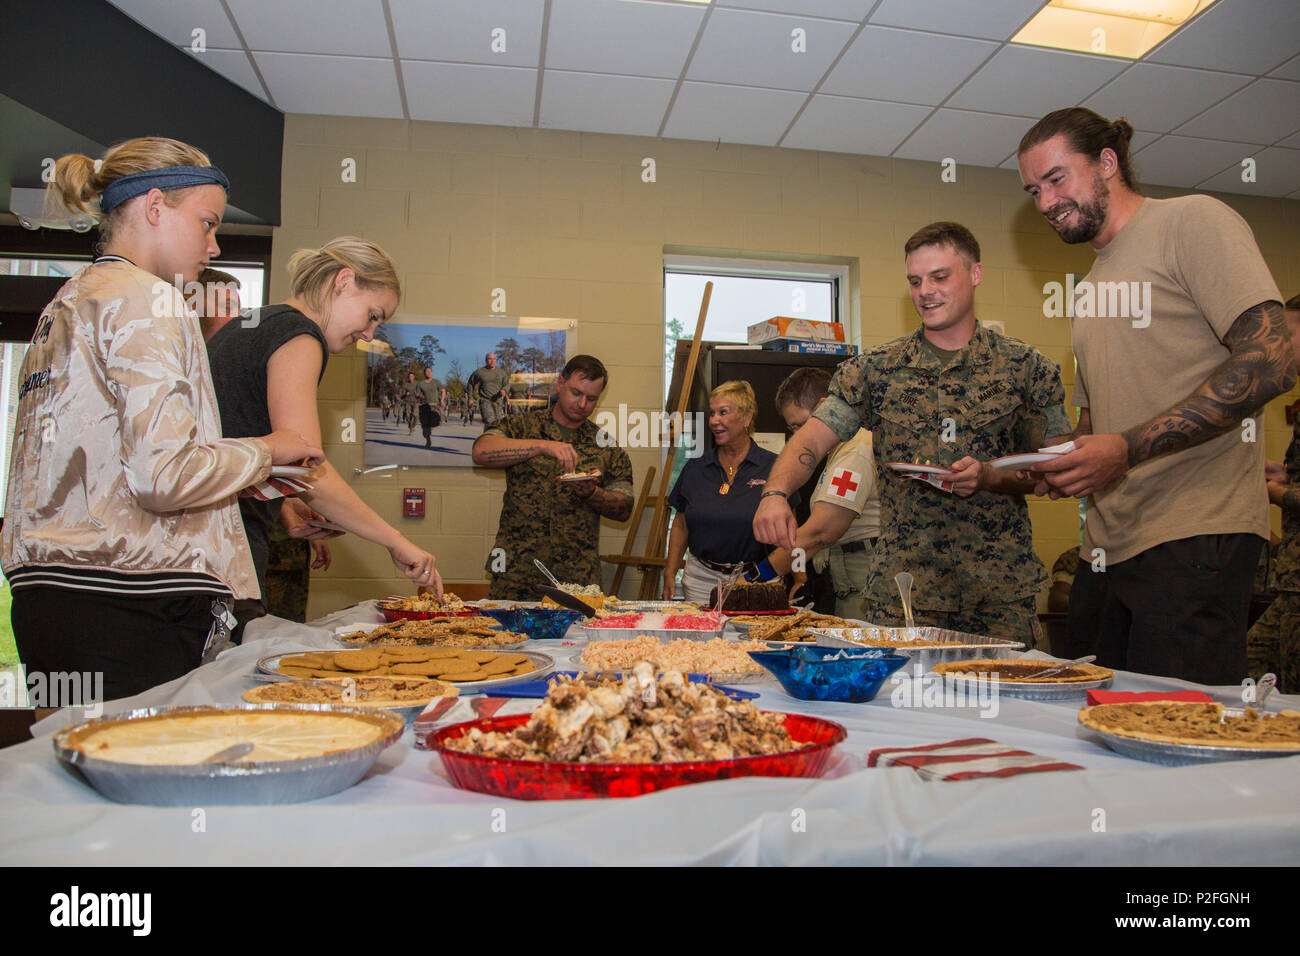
<point>924,658</point>
<point>231,784</point>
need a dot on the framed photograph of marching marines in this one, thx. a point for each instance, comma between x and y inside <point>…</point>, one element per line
<point>432,386</point>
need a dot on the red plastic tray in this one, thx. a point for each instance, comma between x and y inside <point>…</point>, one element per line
<point>396,614</point>
<point>547,780</point>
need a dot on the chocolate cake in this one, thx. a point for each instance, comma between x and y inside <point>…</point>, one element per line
<point>759,596</point>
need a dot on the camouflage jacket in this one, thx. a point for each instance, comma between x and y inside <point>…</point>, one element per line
<point>541,518</point>
<point>995,397</point>
<point>1286,567</point>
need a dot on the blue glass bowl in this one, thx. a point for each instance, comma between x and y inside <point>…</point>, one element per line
<point>812,673</point>
<point>539,623</point>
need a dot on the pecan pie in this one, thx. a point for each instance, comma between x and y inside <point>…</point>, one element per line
<point>1190,723</point>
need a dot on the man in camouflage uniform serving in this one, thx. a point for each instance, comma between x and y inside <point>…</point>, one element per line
<point>556,522</point>
<point>954,394</point>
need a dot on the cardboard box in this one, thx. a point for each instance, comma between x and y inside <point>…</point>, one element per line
<point>784,327</point>
<point>810,348</point>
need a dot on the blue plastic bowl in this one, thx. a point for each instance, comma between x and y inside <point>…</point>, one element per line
<point>539,623</point>
<point>811,673</point>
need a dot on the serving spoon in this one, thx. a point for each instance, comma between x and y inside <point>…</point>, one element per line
<point>904,582</point>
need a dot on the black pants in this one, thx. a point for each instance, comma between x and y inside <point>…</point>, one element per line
<point>136,642</point>
<point>429,420</point>
<point>1179,609</point>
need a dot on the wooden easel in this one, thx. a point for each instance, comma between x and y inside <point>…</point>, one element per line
<point>652,561</point>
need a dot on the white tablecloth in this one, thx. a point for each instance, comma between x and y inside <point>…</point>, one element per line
<point>1115,811</point>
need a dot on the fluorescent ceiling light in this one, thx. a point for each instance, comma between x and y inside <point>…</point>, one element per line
<point>1127,28</point>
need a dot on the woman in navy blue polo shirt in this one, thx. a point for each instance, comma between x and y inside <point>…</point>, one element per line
<point>716,496</point>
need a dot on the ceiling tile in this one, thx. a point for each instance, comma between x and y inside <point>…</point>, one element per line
<point>1183,161</point>
<point>990,19</point>
<point>1263,112</point>
<point>1031,82</point>
<point>1277,173</point>
<point>1241,36</point>
<point>592,36</point>
<point>1161,97</point>
<point>175,20</point>
<point>831,9</point>
<point>463,32</point>
<point>755,49</point>
<point>979,139</point>
<point>355,28</point>
<point>1289,70</point>
<point>234,66</point>
<point>463,93</point>
<point>337,85</point>
<point>1292,142</point>
<point>734,114</point>
<point>844,125</point>
<point>1141,139</point>
<point>888,64</point>
<point>633,105</point>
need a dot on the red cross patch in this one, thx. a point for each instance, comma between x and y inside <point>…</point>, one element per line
<point>845,483</point>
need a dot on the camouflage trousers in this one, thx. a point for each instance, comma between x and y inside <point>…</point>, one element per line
<point>1015,621</point>
<point>849,575</point>
<point>1273,643</point>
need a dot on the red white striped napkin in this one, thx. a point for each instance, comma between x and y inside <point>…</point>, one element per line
<point>968,759</point>
<point>273,488</point>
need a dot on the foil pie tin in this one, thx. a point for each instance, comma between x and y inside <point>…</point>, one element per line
<point>230,784</point>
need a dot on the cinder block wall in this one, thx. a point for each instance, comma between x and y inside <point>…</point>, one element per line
<point>564,223</point>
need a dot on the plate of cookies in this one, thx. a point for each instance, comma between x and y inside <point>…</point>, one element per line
<point>451,665</point>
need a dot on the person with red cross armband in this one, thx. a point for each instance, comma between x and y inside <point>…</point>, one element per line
<point>841,530</point>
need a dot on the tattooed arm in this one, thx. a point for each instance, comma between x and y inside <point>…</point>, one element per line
<point>608,504</point>
<point>774,521</point>
<point>1260,367</point>
<point>497,451</point>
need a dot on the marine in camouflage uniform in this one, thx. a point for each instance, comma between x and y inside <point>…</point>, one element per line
<point>541,518</point>
<point>972,559</point>
<point>288,575</point>
<point>1273,642</point>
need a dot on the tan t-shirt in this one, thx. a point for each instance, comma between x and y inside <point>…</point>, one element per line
<point>849,481</point>
<point>1189,267</point>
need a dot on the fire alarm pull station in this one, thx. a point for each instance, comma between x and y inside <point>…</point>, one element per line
<point>412,502</point>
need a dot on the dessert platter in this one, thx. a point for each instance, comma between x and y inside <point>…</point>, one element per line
<point>1178,733</point>
<point>156,755</point>
<point>425,606</point>
<point>627,737</point>
<point>800,627</point>
<point>447,664</point>
<point>1016,678</point>
<point>757,597</point>
<point>478,631</point>
<point>407,696</point>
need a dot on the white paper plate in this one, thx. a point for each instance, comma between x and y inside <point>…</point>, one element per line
<point>907,468</point>
<point>1014,462</point>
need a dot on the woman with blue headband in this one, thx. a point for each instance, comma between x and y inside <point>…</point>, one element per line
<point>122,541</point>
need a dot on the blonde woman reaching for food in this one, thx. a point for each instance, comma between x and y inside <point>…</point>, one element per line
<point>267,368</point>
<point>122,540</point>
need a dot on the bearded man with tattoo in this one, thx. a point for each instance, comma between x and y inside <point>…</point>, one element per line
<point>1167,450</point>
